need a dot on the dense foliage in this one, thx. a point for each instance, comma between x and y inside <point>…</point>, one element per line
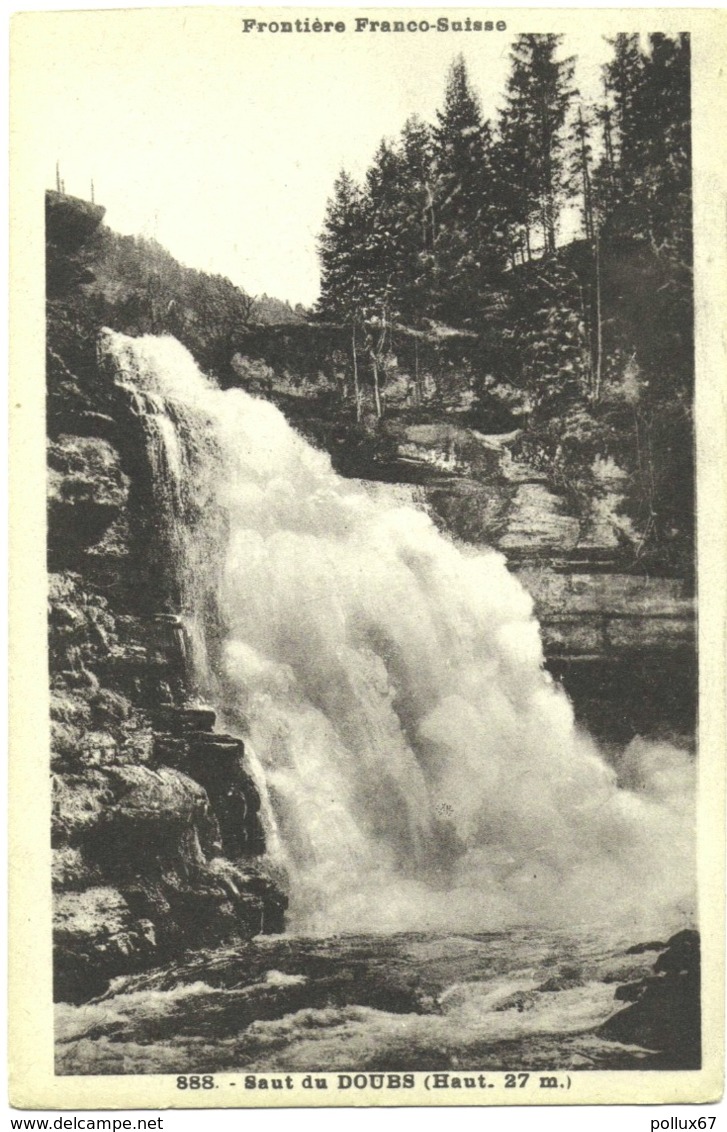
<point>457,225</point>
<point>135,285</point>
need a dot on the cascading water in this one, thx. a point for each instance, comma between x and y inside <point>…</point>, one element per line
<point>420,770</point>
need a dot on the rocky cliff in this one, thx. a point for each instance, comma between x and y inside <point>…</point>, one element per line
<point>157,839</point>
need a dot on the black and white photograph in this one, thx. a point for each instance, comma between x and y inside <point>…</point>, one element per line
<point>378,765</point>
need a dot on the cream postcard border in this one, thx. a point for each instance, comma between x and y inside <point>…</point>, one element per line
<point>32,1080</point>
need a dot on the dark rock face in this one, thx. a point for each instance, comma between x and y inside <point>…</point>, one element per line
<point>664,1014</point>
<point>156,834</point>
<point>87,502</point>
<point>70,221</point>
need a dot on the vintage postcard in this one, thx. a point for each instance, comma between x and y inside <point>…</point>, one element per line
<point>368,575</point>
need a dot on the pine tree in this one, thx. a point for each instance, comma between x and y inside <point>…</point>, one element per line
<point>547,320</point>
<point>605,173</point>
<point>418,222</point>
<point>384,222</point>
<point>517,164</point>
<point>342,252</point>
<point>385,216</point>
<point>582,167</point>
<point>586,188</point>
<point>644,178</point>
<point>624,82</point>
<point>532,127</point>
<point>467,248</point>
<point>666,105</point>
<point>625,76</point>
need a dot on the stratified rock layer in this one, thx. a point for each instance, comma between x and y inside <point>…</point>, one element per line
<point>156,834</point>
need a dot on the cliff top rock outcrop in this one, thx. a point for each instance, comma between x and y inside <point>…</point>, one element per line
<point>69,220</point>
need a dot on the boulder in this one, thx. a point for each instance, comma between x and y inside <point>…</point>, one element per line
<point>185,719</point>
<point>71,221</point>
<point>155,819</point>
<point>95,936</point>
<point>664,1014</point>
<point>79,802</point>
<point>131,815</point>
<point>87,491</point>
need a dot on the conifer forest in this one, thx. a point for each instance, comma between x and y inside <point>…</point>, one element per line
<point>557,234</point>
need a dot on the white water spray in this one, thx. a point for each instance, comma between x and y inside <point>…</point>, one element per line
<point>421,769</point>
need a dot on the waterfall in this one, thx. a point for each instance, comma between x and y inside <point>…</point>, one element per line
<point>419,767</point>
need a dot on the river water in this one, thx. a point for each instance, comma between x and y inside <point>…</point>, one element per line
<point>511,1001</point>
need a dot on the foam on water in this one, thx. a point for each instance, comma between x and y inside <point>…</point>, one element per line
<point>523,998</point>
<point>419,768</point>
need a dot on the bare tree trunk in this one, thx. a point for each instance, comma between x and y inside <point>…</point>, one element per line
<point>586,177</point>
<point>356,389</point>
<point>377,351</point>
<point>417,384</point>
<point>588,338</point>
<point>608,142</point>
<point>544,225</point>
<point>599,326</point>
<point>550,214</point>
<point>432,225</point>
<point>377,391</point>
<point>587,211</point>
<point>547,194</point>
